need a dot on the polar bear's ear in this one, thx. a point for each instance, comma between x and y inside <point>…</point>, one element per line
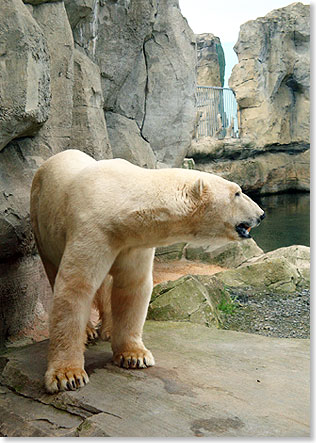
<point>198,188</point>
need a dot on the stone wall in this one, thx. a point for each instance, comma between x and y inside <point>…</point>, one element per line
<point>111,78</point>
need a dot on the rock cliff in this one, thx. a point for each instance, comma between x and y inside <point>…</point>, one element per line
<point>272,78</point>
<point>111,78</point>
<point>210,60</point>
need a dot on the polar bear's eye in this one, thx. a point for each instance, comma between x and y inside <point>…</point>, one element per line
<point>237,194</point>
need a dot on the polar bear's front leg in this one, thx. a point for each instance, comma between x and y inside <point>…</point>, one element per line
<point>132,287</point>
<point>67,330</point>
<point>75,286</point>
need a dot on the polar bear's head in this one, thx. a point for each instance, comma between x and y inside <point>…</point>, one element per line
<point>226,213</point>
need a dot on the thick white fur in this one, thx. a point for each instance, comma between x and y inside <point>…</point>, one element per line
<point>96,224</point>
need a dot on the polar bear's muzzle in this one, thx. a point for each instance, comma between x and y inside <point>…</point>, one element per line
<point>244,228</point>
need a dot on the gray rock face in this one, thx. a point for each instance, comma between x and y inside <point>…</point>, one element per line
<point>27,288</point>
<point>170,105</point>
<point>210,60</point>
<point>146,55</point>
<point>24,71</point>
<point>126,142</point>
<point>16,237</point>
<point>113,35</point>
<point>78,10</point>
<point>89,131</point>
<point>272,78</point>
<point>53,20</point>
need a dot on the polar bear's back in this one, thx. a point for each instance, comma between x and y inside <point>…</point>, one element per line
<point>64,188</point>
<point>49,198</point>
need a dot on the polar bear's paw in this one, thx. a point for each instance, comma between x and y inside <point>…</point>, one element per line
<point>65,379</point>
<point>134,359</point>
<point>91,332</point>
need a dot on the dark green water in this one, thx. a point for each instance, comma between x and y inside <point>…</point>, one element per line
<point>287,221</point>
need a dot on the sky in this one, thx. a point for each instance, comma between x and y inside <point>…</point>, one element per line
<point>223,19</point>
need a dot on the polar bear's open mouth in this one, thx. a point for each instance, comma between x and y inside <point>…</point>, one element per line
<point>243,230</point>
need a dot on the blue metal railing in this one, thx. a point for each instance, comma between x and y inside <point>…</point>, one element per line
<point>216,112</point>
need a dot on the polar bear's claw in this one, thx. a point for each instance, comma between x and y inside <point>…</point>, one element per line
<point>134,359</point>
<point>65,379</point>
<point>91,333</point>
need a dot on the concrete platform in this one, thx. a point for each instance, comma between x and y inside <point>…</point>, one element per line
<point>207,382</point>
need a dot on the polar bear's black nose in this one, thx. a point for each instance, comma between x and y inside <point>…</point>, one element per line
<point>262,216</point>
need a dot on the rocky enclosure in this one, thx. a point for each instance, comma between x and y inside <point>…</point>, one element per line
<point>117,78</point>
<point>111,78</point>
<point>271,83</point>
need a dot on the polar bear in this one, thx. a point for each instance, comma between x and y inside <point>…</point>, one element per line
<point>96,224</point>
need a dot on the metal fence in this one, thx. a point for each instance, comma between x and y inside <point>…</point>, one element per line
<point>217,112</point>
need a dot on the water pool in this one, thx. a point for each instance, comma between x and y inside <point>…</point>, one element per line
<point>287,221</point>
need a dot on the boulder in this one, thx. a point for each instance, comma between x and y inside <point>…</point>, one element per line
<point>24,71</point>
<point>297,255</point>
<point>270,274</point>
<point>190,298</point>
<point>127,143</point>
<point>271,80</point>
<point>210,60</point>
<point>89,131</point>
<point>231,255</point>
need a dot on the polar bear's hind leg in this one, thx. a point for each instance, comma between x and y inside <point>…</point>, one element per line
<point>102,301</point>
